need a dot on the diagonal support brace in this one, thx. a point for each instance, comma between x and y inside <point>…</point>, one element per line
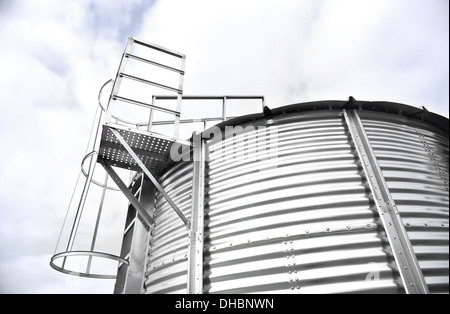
<point>150,176</point>
<point>408,266</point>
<point>143,215</point>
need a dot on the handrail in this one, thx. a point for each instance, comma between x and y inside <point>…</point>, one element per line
<point>100,94</point>
<point>113,116</point>
<point>192,97</point>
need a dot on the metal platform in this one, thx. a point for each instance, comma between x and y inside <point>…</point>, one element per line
<point>152,149</point>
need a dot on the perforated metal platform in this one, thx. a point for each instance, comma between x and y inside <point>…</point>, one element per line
<point>153,149</point>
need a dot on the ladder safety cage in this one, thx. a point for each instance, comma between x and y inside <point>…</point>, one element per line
<point>123,144</point>
<point>118,142</point>
<point>134,67</point>
<point>130,144</point>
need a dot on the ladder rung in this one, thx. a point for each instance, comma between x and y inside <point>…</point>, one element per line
<point>138,79</point>
<point>143,104</point>
<point>129,55</point>
<point>130,225</point>
<point>158,48</point>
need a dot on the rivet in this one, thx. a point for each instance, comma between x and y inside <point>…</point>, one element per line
<point>292,288</point>
<point>348,227</point>
<point>406,268</point>
<point>307,231</point>
<point>369,225</point>
<point>293,256</point>
<point>296,278</point>
<point>290,272</point>
<point>407,224</point>
<point>291,280</point>
<point>285,242</point>
<point>298,287</point>
<point>328,229</point>
<point>426,225</point>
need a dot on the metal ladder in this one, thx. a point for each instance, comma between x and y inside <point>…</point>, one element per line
<point>131,148</point>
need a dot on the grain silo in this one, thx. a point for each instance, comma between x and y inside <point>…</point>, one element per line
<point>319,197</point>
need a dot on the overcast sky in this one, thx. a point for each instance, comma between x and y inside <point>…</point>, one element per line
<point>55,55</point>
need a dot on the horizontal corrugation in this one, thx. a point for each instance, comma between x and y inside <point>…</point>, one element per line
<point>300,263</point>
<point>168,279</point>
<point>305,222</point>
<point>264,213</point>
<point>414,162</point>
<point>167,261</point>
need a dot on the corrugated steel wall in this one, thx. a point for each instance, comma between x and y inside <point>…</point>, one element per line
<point>414,161</point>
<point>167,261</point>
<point>306,222</point>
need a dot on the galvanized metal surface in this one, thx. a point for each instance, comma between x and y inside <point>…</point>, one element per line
<point>301,223</point>
<point>306,222</point>
<point>197,234</point>
<point>167,261</point>
<point>414,161</point>
<point>401,248</point>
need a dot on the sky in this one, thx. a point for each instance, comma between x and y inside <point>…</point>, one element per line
<point>55,55</point>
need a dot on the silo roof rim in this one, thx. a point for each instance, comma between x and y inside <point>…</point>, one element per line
<point>408,111</point>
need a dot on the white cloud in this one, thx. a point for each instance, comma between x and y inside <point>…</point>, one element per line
<point>233,47</point>
<point>52,68</point>
<point>379,50</point>
<point>309,50</point>
<point>30,274</point>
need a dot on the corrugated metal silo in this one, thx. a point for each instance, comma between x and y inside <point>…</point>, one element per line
<point>302,216</point>
<point>319,197</point>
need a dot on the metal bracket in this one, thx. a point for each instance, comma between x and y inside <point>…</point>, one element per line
<point>150,176</point>
<point>404,256</point>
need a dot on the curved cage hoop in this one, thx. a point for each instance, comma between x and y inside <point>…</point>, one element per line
<point>85,173</point>
<point>90,254</point>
